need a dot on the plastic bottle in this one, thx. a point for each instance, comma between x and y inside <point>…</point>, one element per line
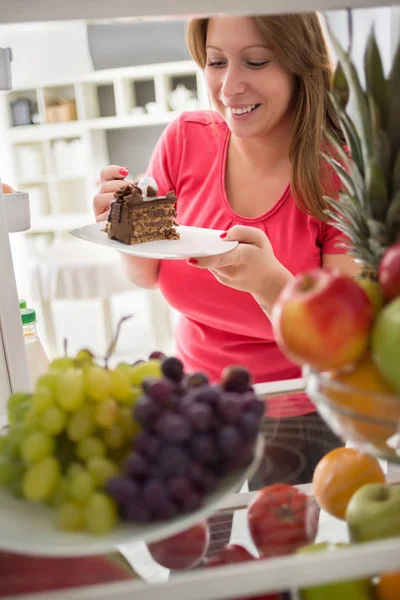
<point>37,359</point>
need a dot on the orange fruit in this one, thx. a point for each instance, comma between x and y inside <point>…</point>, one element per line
<point>370,398</point>
<point>388,586</point>
<point>339,474</point>
<point>7,189</point>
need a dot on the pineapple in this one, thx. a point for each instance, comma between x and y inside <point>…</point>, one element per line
<point>367,210</point>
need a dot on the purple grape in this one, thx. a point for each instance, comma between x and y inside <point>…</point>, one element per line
<point>195,380</point>
<point>166,511</point>
<point>173,461</point>
<point>136,512</point>
<point>243,458</point>
<point>230,406</point>
<point>230,441</point>
<point>206,394</point>
<point>136,465</point>
<point>157,355</point>
<point>204,448</point>
<point>146,410</point>
<point>235,379</point>
<point>173,428</point>
<point>172,368</point>
<point>249,425</point>
<point>199,415</point>
<point>154,494</point>
<point>251,403</point>
<point>182,490</point>
<point>202,478</point>
<point>122,489</point>
<point>148,444</point>
<point>159,389</point>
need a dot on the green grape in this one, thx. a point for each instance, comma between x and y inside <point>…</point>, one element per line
<point>102,469</point>
<point>90,447</point>
<point>36,446</point>
<point>129,425</point>
<point>125,368</point>
<point>101,515</point>
<point>81,486</point>
<point>120,385</point>
<point>16,482</point>
<point>70,394</point>
<point>63,363</point>
<point>6,470</point>
<point>115,436</point>
<point>143,370</point>
<point>53,420</point>
<point>14,403</point>
<point>97,382</point>
<point>48,381</point>
<point>80,424</point>
<point>60,494</point>
<point>33,419</point>
<point>15,436</point>
<point>84,357</point>
<point>42,399</point>
<point>3,442</point>
<point>41,479</point>
<point>73,470</point>
<point>70,517</point>
<point>106,413</point>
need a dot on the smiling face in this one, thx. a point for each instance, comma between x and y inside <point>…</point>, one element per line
<point>248,86</point>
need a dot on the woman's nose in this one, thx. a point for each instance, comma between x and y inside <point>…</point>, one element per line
<point>233,83</point>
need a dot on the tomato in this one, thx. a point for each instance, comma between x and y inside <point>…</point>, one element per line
<point>281,519</point>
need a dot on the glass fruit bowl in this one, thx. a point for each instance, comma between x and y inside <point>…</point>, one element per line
<point>365,419</point>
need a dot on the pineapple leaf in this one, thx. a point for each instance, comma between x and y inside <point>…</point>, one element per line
<point>394,110</point>
<point>396,175</point>
<point>393,217</point>
<point>345,178</point>
<point>340,87</point>
<point>376,190</point>
<point>375,77</point>
<point>357,93</point>
<point>351,136</point>
<point>348,162</point>
<point>383,153</point>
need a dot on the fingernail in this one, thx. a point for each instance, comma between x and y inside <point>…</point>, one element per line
<point>224,234</point>
<point>124,172</point>
<point>193,261</point>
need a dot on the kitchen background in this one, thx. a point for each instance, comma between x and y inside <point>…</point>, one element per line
<point>87,95</point>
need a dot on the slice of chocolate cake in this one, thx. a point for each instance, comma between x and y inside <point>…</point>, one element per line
<point>138,215</point>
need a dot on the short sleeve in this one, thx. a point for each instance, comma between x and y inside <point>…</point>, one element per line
<point>165,161</point>
<point>331,238</point>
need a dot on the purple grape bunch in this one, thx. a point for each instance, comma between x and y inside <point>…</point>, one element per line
<point>193,434</point>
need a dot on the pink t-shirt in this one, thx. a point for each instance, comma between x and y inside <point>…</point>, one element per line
<point>218,325</point>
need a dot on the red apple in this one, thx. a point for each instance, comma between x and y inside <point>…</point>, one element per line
<point>282,519</point>
<point>183,550</point>
<point>389,272</point>
<point>323,318</point>
<point>235,553</point>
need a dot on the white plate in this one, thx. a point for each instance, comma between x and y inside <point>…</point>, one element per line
<point>29,528</point>
<point>194,242</point>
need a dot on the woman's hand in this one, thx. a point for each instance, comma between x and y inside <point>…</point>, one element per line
<point>112,179</point>
<point>250,267</point>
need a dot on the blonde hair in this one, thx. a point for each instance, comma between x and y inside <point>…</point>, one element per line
<point>300,46</point>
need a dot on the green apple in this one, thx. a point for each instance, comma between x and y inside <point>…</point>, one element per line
<point>385,343</point>
<point>359,589</point>
<point>373,512</point>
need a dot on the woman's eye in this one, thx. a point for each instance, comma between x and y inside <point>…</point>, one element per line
<point>215,63</point>
<point>257,64</point>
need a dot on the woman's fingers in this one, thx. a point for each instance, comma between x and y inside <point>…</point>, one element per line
<point>101,203</point>
<point>113,172</point>
<point>111,186</point>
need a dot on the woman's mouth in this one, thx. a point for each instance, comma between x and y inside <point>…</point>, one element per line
<point>243,112</point>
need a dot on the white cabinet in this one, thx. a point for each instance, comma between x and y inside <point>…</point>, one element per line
<point>57,159</point>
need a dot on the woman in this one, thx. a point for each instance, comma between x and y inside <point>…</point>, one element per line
<point>251,168</point>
